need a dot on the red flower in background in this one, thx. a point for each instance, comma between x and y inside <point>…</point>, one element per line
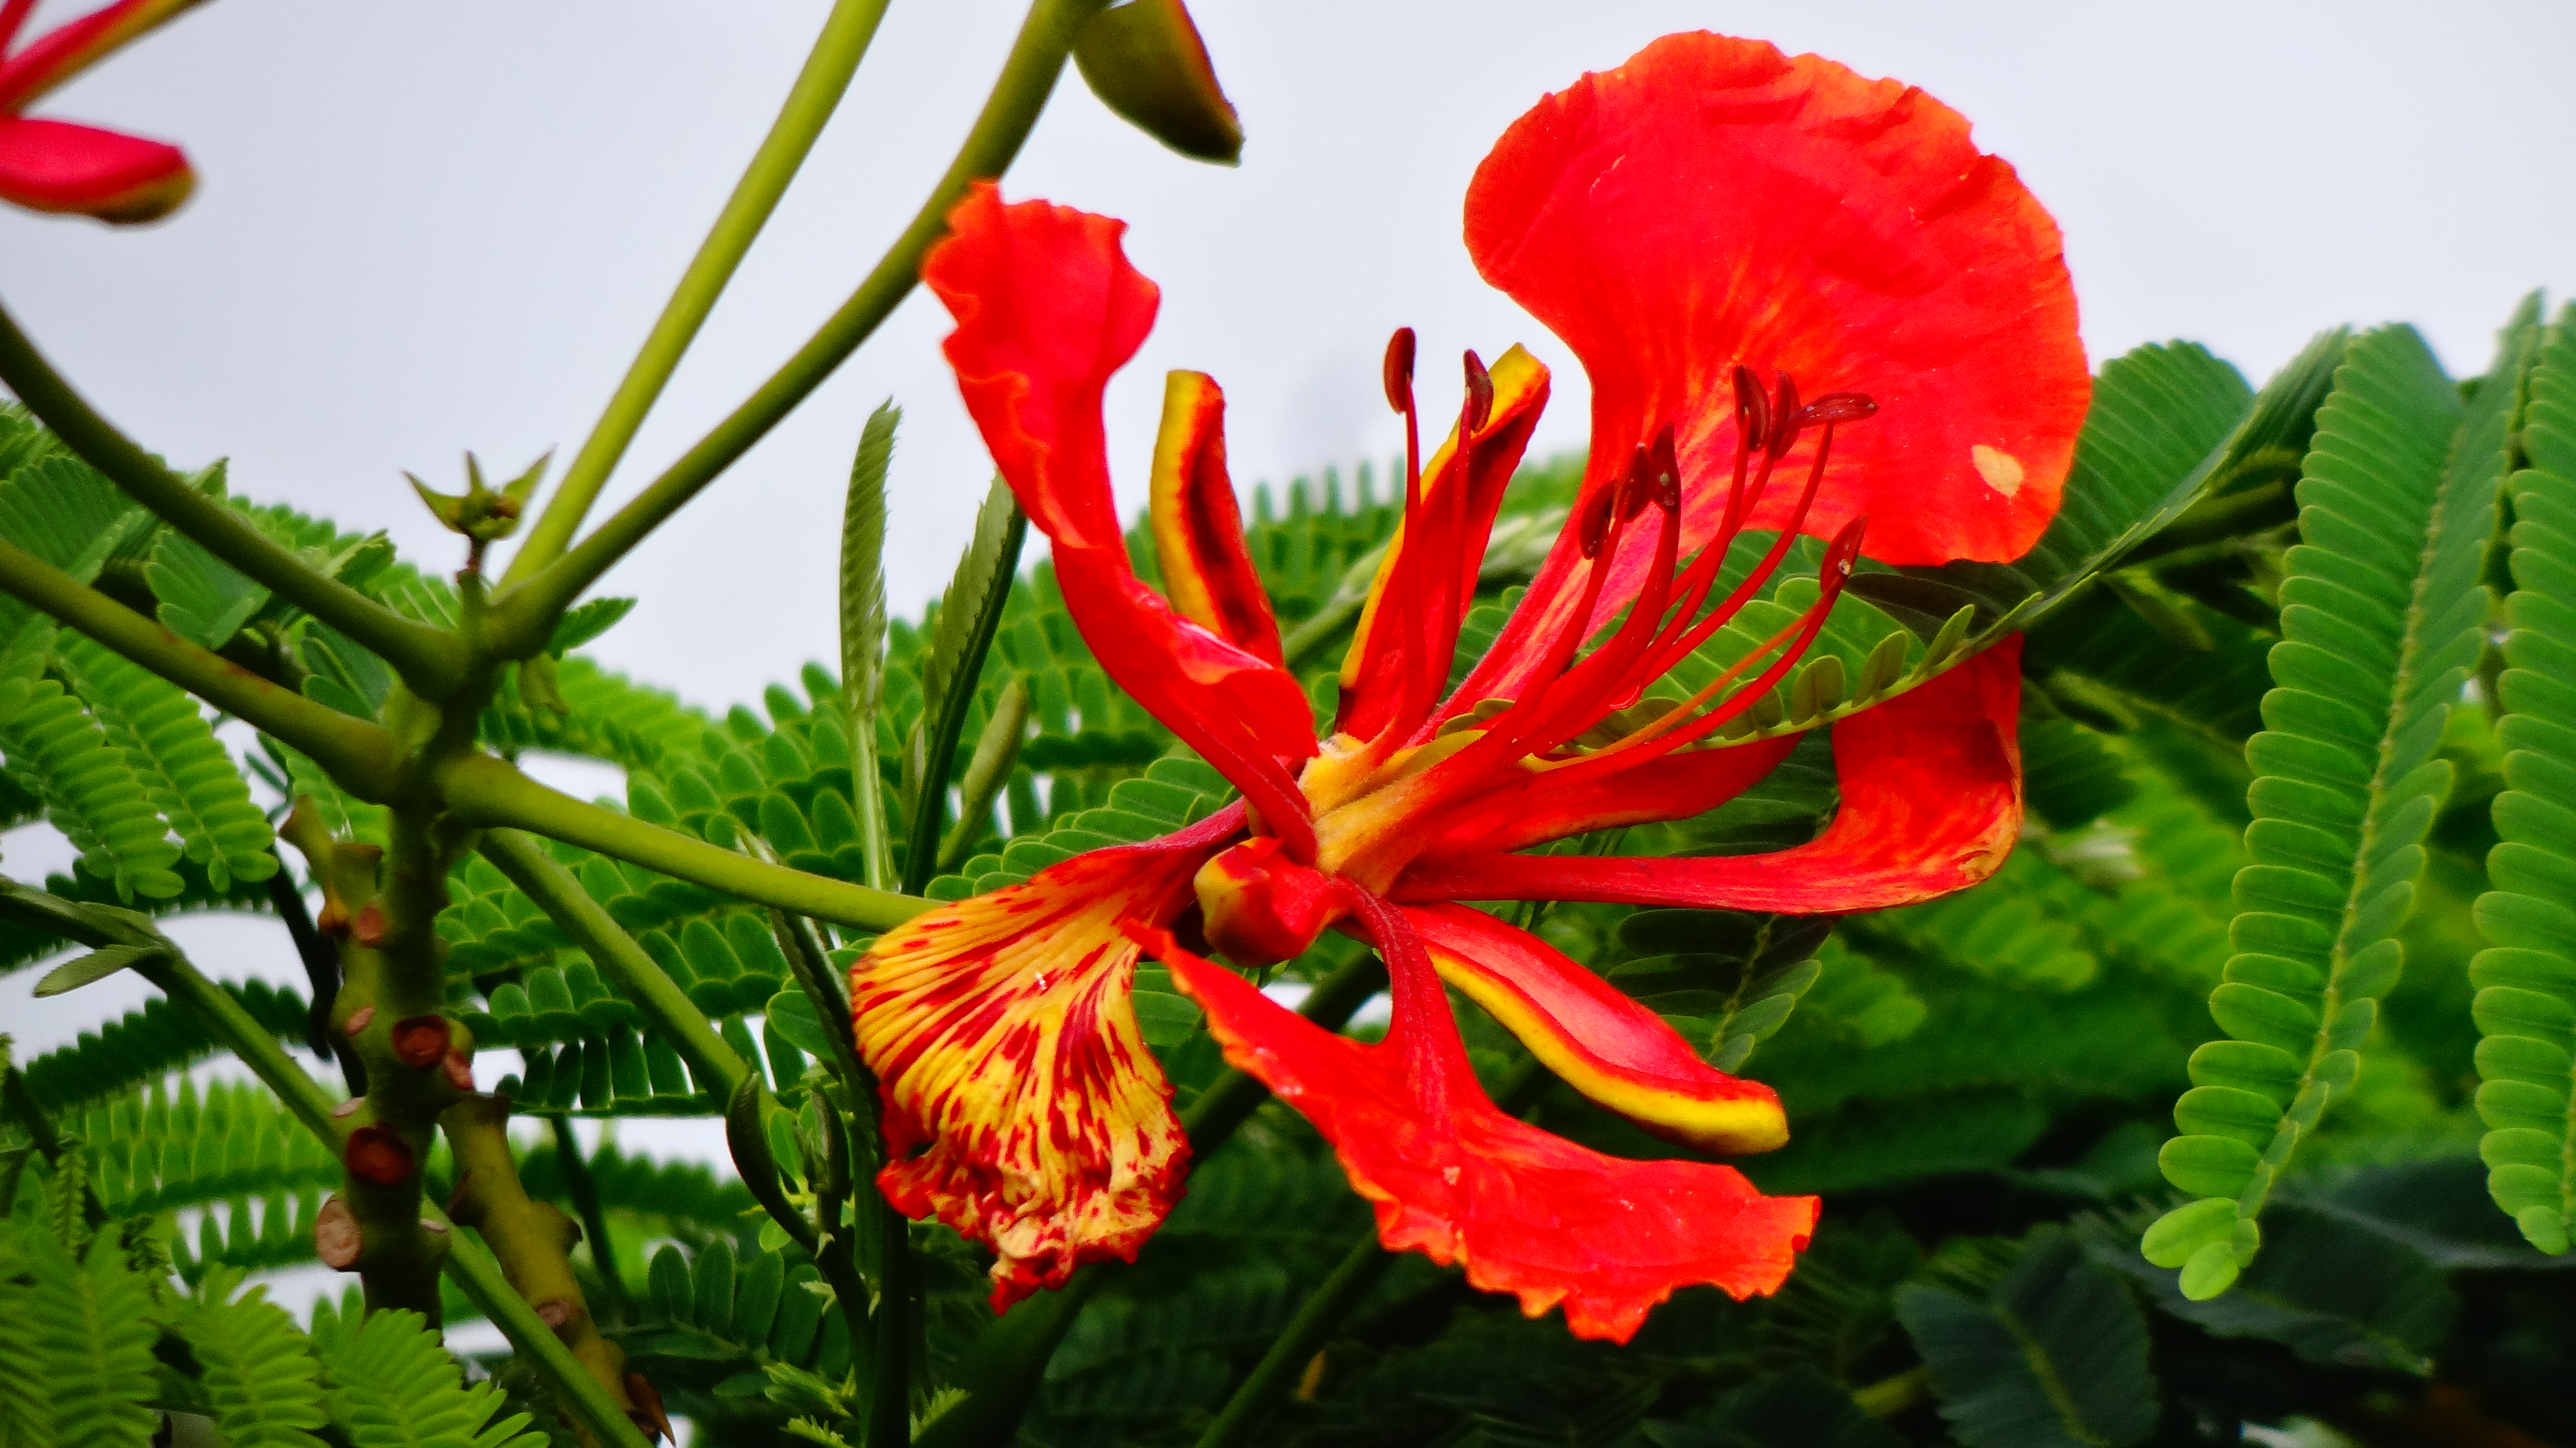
<point>62,167</point>
<point>1716,231</point>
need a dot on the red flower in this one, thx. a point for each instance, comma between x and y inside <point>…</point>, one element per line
<point>62,167</point>
<point>1709,209</point>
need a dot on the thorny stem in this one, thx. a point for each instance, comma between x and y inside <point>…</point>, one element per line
<point>847,33</point>
<point>1001,1369</point>
<point>364,758</point>
<point>524,615</point>
<point>488,792</point>
<point>431,660</point>
<point>468,1264</point>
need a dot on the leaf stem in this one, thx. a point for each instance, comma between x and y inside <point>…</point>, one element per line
<point>584,1191</point>
<point>716,1066</point>
<point>431,660</point>
<point>847,33</point>
<point>362,757</point>
<point>485,791</point>
<point>524,615</point>
<point>1298,1343</point>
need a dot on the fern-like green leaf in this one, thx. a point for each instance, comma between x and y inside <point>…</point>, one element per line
<point>149,1043</point>
<point>391,1385</point>
<point>2052,1355</point>
<point>259,1371</point>
<point>2382,619</point>
<point>90,788</point>
<point>2526,1001</point>
<point>189,777</point>
<point>79,1332</point>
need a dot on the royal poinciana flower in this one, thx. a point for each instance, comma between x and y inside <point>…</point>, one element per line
<point>48,165</point>
<point>1717,232</point>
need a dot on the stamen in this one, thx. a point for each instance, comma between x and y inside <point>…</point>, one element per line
<point>1836,407</point>
<point>1725,612</point>
<point>1664,466</point>
<point>1784,435</point>
<point>1637,486</point>
<point>1399,370</point>
<point>1752,413</point>
<point>1479,408</point>
<point>1595,525</point>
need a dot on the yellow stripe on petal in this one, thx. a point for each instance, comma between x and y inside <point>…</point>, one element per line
<point>1198,530</point>
<point>1596,1039</point>
<point>1005,1042</point>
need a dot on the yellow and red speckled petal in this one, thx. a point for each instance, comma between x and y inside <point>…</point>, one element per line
<point>1006,1046</point>
<point>1452,1177</point>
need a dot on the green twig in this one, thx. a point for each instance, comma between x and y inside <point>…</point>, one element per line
<point>1298,1343</point>
<point>484,791</point>
<point>525,614</point>
<point>847,33</point>
<point>431,660</point>
<point>719,1070</point>
<point>362,757</point>
<point>584,1192</point>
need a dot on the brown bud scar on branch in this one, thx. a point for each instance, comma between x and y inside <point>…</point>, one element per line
<point>348,1108</point>
<point>560,1313</point>
<point>359,1020</point>
<point>420,1040</point>
<point>369,928</point>
<point>336,1239</point>
<point>427,1225</point>
<point>460,1072</point>
<point>379,1157</point>
<point>457,1199</point>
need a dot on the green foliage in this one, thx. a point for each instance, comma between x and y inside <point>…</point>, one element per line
<point>2382,616</point>
<point>2526,1001</point>
<point>2037,1349</point>
<point>260,1376</point>
<point>76,1328</point>
<point>390,1385</point>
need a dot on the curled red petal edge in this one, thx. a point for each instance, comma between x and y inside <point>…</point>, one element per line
<point>1525,1212</point>
<point>68,169</point>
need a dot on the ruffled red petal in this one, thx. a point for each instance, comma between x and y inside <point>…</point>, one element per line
<point>1553,804</point>
<point>1047,308</point>
<point>81,170</point>
<point>1931,803</point>
<point>1454,1178</point>
<point>1595,1037</point>
<point>1003,1039</point>
<point>1713,202</point>
<point>1198,530</point>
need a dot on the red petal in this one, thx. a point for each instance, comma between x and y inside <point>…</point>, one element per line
<point>70,48</point>
<point>1458,505</point>
<point>1525,1212</point>
<point>1552,804</point>
<point>1594,1037</point>
<point>1931,803</point>
<point>60,167</point>
<point>1047,309</point>
<point>1002,1035</point>
<point>1198,530</point>
<point>1712,202</point>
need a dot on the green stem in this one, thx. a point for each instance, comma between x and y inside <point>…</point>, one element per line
<point>715,1065</point>
<point>584,1192</point>
<point>1001,1369</point>
<point>847,33</point>
<point>1298,1343</point>
<point>484,791</point>
<point>362,757</point>
<point>468,1264</point>
<point>525,615</point>
<point>431,660</point>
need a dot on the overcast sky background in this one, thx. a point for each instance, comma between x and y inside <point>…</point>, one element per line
<point>424,228</point>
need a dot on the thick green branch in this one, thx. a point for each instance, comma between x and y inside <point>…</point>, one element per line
<point>716,1065</point>
<point>847,32</point>
<point>484,791</point>
<point>524,615</point>
<point>431,660</point>
<point>362,757</point>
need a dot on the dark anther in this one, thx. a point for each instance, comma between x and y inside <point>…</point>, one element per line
<point>1844,551</point>
<point>1784,409</point>
<point>1752,408</point>
<point>1664,466</point>
<point>1637,486</point>
<point>1480,395</point>
<point>1399,370</point>
<point>1596,517</point>
<point>1836,407</point>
